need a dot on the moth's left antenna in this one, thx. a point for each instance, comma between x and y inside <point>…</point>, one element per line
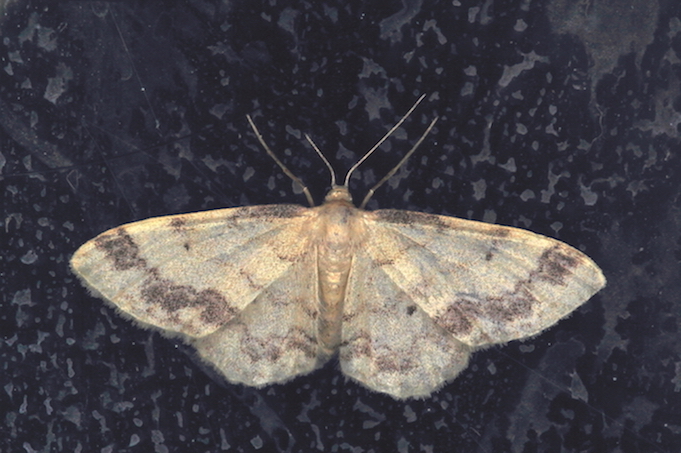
<point>285,169</point>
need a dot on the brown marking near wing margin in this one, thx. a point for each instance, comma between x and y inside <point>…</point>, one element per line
<point>177,223</point>
<point>555,264</point>
<point>453,320</point>
<point>302,341</point>
<point>460,315</point>
<point>410,217</point>
<point>121,249</point>
<point>389,362</point>
<point>357,346</point>
<point>163,293</point>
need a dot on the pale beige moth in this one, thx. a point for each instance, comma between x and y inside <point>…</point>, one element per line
<point>268,293</point>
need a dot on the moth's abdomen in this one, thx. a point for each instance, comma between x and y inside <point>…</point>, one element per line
<point>341,229</point>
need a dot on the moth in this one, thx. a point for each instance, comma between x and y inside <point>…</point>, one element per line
<point>268,293</point>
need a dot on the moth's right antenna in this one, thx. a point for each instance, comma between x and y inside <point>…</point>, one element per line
<point>286,171</point>
<point>380,142</point>
<point>399,164</point>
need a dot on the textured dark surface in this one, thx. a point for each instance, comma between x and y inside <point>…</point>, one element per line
<point>557,116</point>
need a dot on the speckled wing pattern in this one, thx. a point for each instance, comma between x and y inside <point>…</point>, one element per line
<point>274,338</point>
<point>193,273</point>
<point>245,286</point>
<point>238,284</point>
<point>449,286</point>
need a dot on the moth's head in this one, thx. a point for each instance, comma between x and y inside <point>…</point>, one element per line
<point>338,193</point>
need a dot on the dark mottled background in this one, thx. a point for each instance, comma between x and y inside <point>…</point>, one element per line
<point>560,116</point>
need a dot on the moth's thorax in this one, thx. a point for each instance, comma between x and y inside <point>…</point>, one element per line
<point>341,229</point>
<point>340,226</point>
